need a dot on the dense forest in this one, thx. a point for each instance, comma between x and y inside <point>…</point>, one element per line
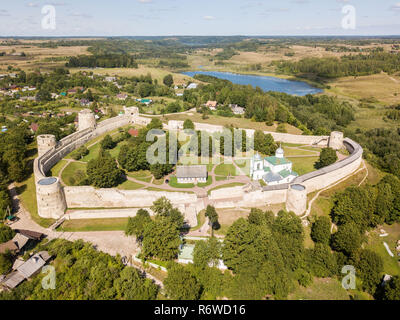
<point>350,65</point>
<point>103,61</point>
<point>84,273</point>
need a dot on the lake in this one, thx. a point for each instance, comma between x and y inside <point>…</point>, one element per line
<point>265,83</point>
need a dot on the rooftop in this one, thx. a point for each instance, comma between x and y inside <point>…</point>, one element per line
<point>199,171</point>
<point>277,161</point>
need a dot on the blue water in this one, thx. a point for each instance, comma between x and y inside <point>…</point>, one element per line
<point>265,83</point>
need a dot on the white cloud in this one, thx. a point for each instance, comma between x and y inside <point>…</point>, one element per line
<point>209,18</point>
<point>395,7</point>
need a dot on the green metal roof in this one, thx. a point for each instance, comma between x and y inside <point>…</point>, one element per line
<point>267,169</point>
<point>277,161</point>
<point>285,173</point>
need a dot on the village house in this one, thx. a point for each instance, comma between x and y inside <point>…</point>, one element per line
<point>191,174</point>
<point>84,102</point>
<point>122,96</point>
<point>236,109</point>
<point>212,105</point>
<point>24,271</point>
<point>192,86</point>
<point>110,79</point>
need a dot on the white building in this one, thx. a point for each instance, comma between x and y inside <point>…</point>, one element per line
<point>191,174</point>
<point>273,170</point>
<point>192,86</point>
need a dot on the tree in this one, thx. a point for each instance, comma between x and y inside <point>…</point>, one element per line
<point>188,124</point>
<point>391,290</point>
<point>5,262</point>
<point>6,233</point>
<point>137,224</point>
<point>212,215</point>
<point>80,153</point>
<point>164,209</point>
<point>347,239</point>
<point>168,80</point>
<point>131,286</point>
<point>43,95</point>
<point>264,143</point>
<point>327,157</point>
<point>155,124</point>
<point>49,128</point>
<point>321,230</point>
<point>5,204</point>
<point>107,143</point>
<point>207,253</point>
<point>181,284</point>
<point>103,171</point>
<point>161,240</point>
<point>355,205</point>
<point>322,262</point>
<point>369,268</point>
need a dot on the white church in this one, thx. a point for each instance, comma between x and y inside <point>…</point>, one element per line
<point>273,170</point>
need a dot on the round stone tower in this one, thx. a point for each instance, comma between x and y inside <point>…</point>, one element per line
<point>297,199</point>
<point>50,198</point>
<point>45,143</point>
<point>86,120</point>
<point>336,140</point>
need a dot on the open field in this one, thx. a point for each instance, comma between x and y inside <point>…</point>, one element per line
<point>71,170</point>
<point>156,73</point>
<point>321,289</point>
<point>43,58</point>
<point>384,87</point>
<point>118,224</point>
<point>304,165</point>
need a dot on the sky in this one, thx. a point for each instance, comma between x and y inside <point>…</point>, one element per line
<point>197,17</point>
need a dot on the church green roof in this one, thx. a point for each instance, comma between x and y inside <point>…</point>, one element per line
<point>277,161</point>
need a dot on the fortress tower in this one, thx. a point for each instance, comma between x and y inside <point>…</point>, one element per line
<point>50,198</point>
<point>45,143</point>
<point>336,140</point>
<point>133,113</point>
<point>86,120</point>
<point>297,199</point>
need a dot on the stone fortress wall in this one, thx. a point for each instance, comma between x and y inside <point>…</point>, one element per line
<point>53,199</point>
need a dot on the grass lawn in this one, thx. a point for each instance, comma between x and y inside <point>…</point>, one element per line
<point>57,168</point>
<point>321,289</point>
<point>226,217</point>
<point>158,182</point>
<point>375,243</point>
<point>117,224</point>
<point>70,170</point>
<point>130,185</point>
<point>208,183</point>
<point>201,219</point>
<point>304,165</point>
<point>27,193</point>
<point>225,169</point>
<point>290,152</point>
<point>173,182</point>
<point>228,185</point>
<point>143,175</point>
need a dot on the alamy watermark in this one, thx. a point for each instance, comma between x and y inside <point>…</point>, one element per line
<point>49,281</point>
<point>349,280</point>
<point>49,18</point>
<point>349,21</point>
